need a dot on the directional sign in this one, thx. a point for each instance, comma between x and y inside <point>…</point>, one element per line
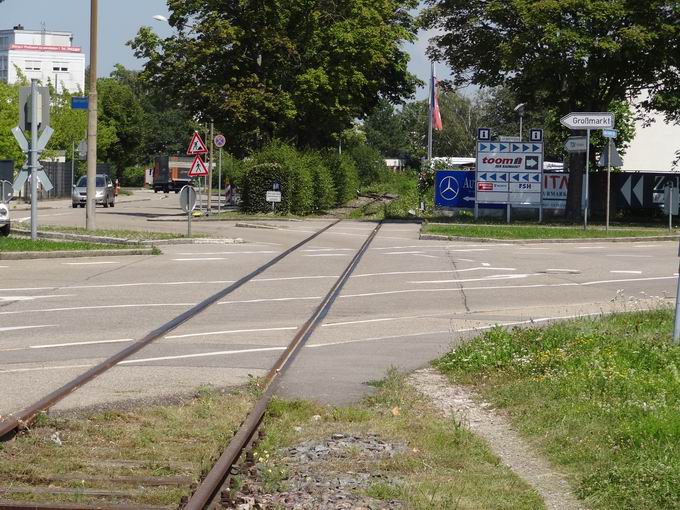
<point>609,133</point>
<point>536,135</point>
<point>632,190</point>
<point>588,120</point>
<point>483,134</point>
<point>220,141</point>
<point>576,144</point>
<point>198,168</point>
<point>197,146</point>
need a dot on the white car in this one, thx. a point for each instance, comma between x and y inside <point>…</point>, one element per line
<point>4,219</point>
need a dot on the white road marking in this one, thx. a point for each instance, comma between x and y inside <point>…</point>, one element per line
<point>201,259</point>
<point>17,328</point>
<point>231,332</point>
<point>98,263</point>
<point>426,256</point>
<point>312,346</point>
<point>77,344</point>
<point>312,250</point>
<point>485,264</point>
<point>591,247</point>
<point>437,246</point>
<point>98,307</point>
<point>485,279</point>
<point>466,260</point>
<point>267,300</point>
<point>294,278</point>
<point>200,254</point>
<point>633,256</point>
<point>626,272</point>
<point>32,298</point>
<point>327,255</point>
<point>562,270</point>
<point>445,271</point>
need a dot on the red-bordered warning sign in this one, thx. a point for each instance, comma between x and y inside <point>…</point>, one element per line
<point>198,168</point>
<point>196,145</point>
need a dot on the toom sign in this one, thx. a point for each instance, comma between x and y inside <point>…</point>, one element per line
<point>509,173</point>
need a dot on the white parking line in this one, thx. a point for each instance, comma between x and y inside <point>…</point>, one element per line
<point>32,298</point>
<point>633,256</point>
<point>17,328</point>
<point>98,263</point>
<point>626,272</point>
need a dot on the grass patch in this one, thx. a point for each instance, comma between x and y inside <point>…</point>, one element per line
<point>158,441</point>
<point>601,397</point>
<point>538,231</point>
<point>132,235</point>
<point>445,466</point>
<point>8,244</point>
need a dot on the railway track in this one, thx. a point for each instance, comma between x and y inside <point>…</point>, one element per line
<point>209,488</point>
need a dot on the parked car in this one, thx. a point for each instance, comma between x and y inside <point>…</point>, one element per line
<point>105,193</point>
<point>4,219</point>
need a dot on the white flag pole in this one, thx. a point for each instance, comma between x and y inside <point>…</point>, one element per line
<point>430,113</point>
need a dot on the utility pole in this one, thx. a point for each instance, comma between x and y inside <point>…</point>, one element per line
<point>210,167</point>
<point>91,204</point>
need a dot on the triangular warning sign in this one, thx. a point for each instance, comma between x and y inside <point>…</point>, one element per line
<point>198,168</point>
<point>196,146</point>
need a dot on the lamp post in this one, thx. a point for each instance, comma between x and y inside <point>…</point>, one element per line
<point>90,205</point>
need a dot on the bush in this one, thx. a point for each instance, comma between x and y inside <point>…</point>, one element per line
<point>345,177</point>
<point>323,188</point>
<point>370,164</point>
<point>257,180</point>
<point>232,171</point>
<point>133,177</point>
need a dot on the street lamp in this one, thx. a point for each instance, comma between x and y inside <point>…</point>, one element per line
<point>519,109</point>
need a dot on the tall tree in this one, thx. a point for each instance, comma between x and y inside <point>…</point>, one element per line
<point>301,70</point>
<point>580,55</point>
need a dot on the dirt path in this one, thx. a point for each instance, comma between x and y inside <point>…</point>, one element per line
<point>514,451</point>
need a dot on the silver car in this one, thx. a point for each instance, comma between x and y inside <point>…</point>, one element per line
<point>105,194</point>
<point>4,219</point>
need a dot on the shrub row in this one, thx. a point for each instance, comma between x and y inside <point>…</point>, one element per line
<point>311,182</point>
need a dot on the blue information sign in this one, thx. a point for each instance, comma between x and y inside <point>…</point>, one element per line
<point>79,102</point>
<point>454,188</point>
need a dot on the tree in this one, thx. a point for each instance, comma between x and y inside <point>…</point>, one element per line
<point>299,70</point>
<point>581,55</point>
<point>9,118</point>
<point>385,131</point>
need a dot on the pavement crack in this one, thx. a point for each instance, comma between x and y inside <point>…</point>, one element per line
<point>460,285</point>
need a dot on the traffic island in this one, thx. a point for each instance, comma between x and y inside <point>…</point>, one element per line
<point>19,249</point>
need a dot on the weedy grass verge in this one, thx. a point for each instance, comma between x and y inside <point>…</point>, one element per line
<point>600,396</point>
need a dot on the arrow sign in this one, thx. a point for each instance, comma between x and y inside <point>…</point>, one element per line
<point>515,177</point>
<point>196,145</point>
<point>588,120</point>
<point>198,168</point>
<point>576,144</point>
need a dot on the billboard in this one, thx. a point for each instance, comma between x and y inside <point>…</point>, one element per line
<point>454,188</point>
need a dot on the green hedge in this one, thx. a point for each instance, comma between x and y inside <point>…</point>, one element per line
<point>323,188</point>
<point>370,164</point>
<point>257,180</point>
<point>345,177</point>
<point>133,177</point>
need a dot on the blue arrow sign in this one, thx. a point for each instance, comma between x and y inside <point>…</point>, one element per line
<point>525,148</point>
<point>536,178</point>
<point>482,177</point>
<point>482,147</point>
<point>492,177</point>
<point>503,148</point>
<point>515,177</point>
<point>536,148</point>
<point>492,147</point>
<point>525,177</point>
<point>503,177</point>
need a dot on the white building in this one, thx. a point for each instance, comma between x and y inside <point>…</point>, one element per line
<point>47,56</point>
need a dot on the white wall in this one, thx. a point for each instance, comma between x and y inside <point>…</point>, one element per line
<point>654,147</point>
<point>63,69</point>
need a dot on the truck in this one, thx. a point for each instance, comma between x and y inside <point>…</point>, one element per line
<point>171,173</point>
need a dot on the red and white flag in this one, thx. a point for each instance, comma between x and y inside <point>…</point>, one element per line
<point>434,95</point>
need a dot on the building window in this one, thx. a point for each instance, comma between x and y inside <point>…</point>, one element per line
<point>32,65</point>
<point>59,67</point>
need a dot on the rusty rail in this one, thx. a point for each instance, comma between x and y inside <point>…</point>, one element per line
<point>214,480</point>
<point>16,421</point>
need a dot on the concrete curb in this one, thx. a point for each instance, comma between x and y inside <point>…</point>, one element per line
<point>65,236</point>
<point>258,225</point>
<point>437,237</point>
<point>30,255</point>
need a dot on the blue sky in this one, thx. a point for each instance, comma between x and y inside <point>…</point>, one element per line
<point>119,21</point>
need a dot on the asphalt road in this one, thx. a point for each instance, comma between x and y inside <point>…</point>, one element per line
<point>407,302</point>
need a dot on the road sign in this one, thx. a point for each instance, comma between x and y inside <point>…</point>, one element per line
<point>44,138</point>
<point>82,150</point>
<point>273,196</point>
<point>219,141</point>
<point>196,145</point>
<point>198,168</point>
<point>20,138</point>
<point>616,160</point>
<point>576,144</point>
<point>79,102</point>
<point>609,133</point>
<point>187,199</point>
<point>509,173</point>
<point>588,120</point>
<point>454,188</point>
<point>44,180</point>
<point>43,112</point>
<point>483,134</point>
<point>276,186</point>
<point>535,135</point>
